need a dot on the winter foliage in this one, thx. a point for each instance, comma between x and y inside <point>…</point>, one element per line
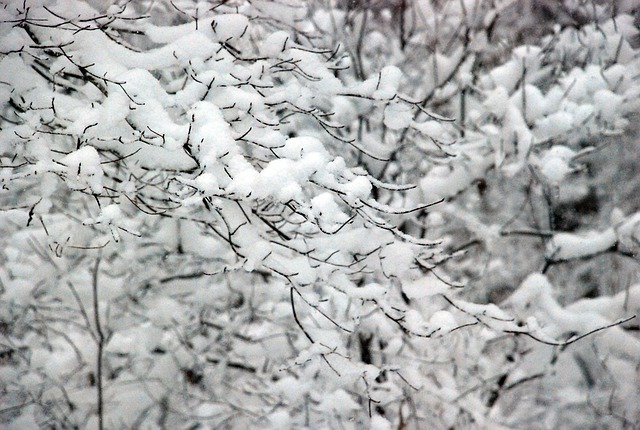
<point>289,214</point>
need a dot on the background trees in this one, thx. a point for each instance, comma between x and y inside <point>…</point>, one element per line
<point>283,214</point>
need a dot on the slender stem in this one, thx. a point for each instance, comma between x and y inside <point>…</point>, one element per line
<point>100,343</point>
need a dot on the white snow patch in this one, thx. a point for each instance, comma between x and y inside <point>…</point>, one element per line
<point>397,116</point>
<point>426,286</point>
<point>83,169</point>
<point>564,246</point>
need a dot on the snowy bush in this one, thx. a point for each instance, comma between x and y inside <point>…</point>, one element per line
<point>208,218</point>
<point>525,175</point>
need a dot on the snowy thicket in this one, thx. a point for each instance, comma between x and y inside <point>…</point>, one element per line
<point>316,215</point>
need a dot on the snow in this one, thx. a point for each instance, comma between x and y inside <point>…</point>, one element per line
<point>17,75</point>
<point>389,82</point>
<point>211,135</point>
<point>324,207</point>
<point>18,291</point>
<point>358,188</point>
<point>165,312</point>
<point>27,420</point>
<point>555,170</point>
<point>290,388</point>
<point>379,423</point>
<point>230,26</point>
<point>531,98</point>
<point>280,179</point>
<point>396,259</point>
<point>397,116</point>
<point>624,303</point>
<point>280,419</point>
<point>580,84</point>
<point>426,286</point>
<point>518,130</point>
<point>338,402</point>
<point>13,216</point>
<point>443,321</point>
<point>489,310</point>
<point>275,44</point>
<point>110,214</point>
<point>535,297</point>
<point>216,160</point>
<point>565,246</point>
<point>554,125</point>
<point>608,104</point>
<point>628,231</point>
<point>140,340</point>
<point>447,181</point>
<point>13,40</point>
<point>617,77</point>
<point>373,291</point>
<point>329,20</point>
<point>297,148</point>
<point>255,249</point>
<point>554,164</point>
<point>83,169</point>
<point>506,76</point>
<point>496,101</point>
<point>172,33</point>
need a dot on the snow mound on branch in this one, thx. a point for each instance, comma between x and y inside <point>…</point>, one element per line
<point>426,286</point>
<point>229,26</point>
<point>389,81</point>
<point>535,298</point>
<point>339,402</point>
<point>566,246</point>
<point>397,116</point>
<point>83,169</point>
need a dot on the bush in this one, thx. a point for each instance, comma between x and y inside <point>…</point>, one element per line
<point>208,219</point>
